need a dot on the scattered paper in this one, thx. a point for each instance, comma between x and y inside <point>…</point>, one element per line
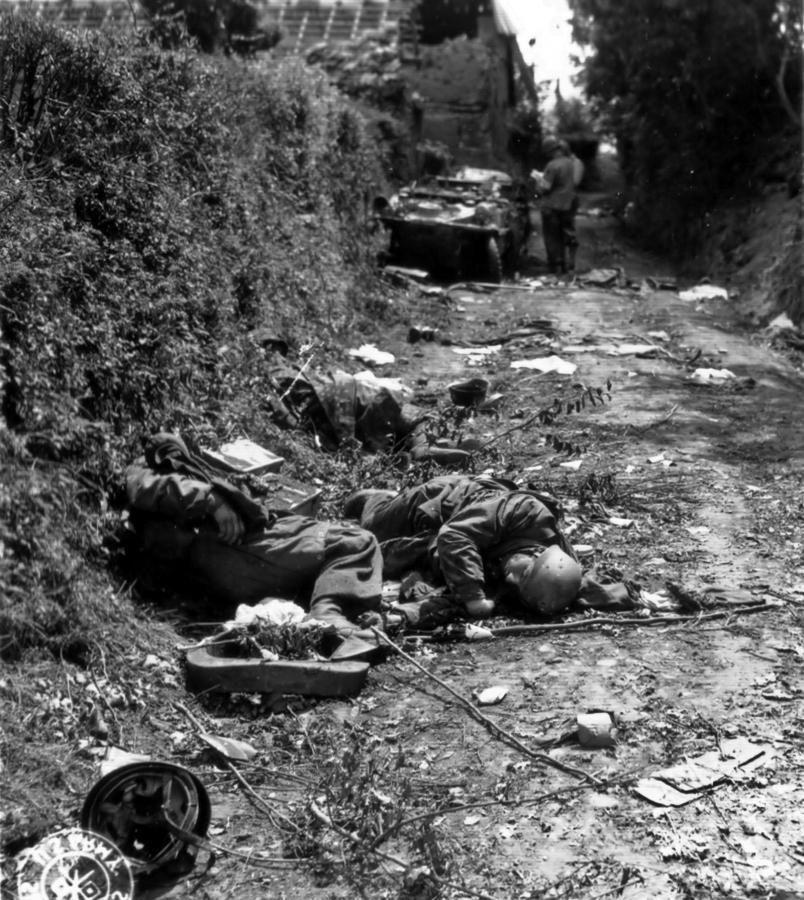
<point>368,353</point>
<point>600,277</point>
<point>620,523</point>
<point>393,385</point>
<point>115,758</point>
<point>477,633</point>
<point>229,747</point>
<point>271,611</point>
<point>579,348</point>
<point>658,601</point>
<point>545,364</point>
<point>478,351</point>
<point>643,350</point>
<point>685,782</point>
<point>779,695</point>
<point>574,464</point>
<point>655,791</point>
<point>490,696</point>
<point>711,376</point>
<point>415,274</point>
<point>782,322</point>
<point>704,292</point>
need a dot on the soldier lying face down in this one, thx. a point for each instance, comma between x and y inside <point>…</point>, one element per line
<point>215,539</point>
<point>466,524</point>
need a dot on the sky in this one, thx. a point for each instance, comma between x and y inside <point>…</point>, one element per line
<point>547,22</point>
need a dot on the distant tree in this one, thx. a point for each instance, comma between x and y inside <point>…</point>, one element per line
<point>525,135</point>
<point>687,86</point>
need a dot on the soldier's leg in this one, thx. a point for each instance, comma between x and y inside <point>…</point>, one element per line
<point>553,239</point>
<point>281,562</point>
<point>570,238</point>
<point>350,580</point>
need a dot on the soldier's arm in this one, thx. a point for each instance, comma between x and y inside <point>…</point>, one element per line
<point>176,497</point>
<point>548,178</point>
<point>462,542</point>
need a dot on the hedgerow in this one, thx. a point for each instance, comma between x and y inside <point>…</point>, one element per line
<point>161,209</point>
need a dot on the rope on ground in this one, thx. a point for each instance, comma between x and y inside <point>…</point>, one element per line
<point>490,725</point>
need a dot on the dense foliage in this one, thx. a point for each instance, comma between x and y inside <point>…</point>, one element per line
<point>161,212</point>
<point>690,88</point>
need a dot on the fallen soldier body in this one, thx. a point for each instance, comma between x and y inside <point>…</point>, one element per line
<point>214,539</point>
<point>373,411</point>
<point>470,528</point>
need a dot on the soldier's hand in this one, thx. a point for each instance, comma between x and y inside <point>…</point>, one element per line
<point>230,525</point>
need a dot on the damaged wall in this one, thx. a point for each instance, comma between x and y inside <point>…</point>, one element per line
<point>444,70</point>
<point>467,88</point>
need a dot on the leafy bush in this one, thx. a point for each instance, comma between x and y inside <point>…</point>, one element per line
<point>686,88</point>
<point>159,207</point>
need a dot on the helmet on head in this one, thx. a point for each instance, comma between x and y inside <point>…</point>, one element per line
<point>551,582</point>
<point>550,145</point>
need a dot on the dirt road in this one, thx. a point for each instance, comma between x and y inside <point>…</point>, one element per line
<point>709,478</point>
<point>670,481</point>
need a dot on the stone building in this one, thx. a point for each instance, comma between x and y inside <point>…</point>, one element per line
<point>459,60</point>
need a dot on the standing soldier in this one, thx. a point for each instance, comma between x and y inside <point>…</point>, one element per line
<point>556,188</point>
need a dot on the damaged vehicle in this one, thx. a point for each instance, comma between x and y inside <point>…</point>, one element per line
<point>473,223</point>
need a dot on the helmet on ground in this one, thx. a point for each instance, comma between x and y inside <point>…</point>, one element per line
<point>154,812</point>
<point>551,582</point>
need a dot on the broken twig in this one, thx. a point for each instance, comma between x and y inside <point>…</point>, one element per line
<point>665,418</point>
<point>256,799</point>
<point>326,820</point>
<point>490,725</point>
<point>610,620</point>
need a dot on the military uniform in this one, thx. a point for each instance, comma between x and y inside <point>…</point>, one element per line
<point>338,568</point>
<point>558,204</point>
<point>466,524</point>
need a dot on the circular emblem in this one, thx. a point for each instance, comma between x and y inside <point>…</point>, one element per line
<point>74,865</point>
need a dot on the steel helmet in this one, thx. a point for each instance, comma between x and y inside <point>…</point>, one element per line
<point>551,582</point>
<point>156,813</point>
<point>550,145</point>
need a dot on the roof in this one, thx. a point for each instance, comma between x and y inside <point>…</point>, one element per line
<point>504,17</point>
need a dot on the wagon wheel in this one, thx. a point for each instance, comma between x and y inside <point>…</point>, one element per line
<point>493,260</point>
